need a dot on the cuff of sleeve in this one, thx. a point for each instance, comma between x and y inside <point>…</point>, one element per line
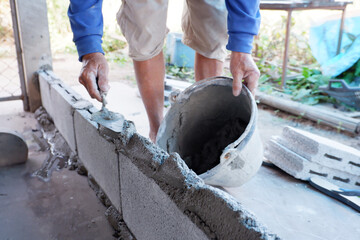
<point>89,44</point>
<point>240,42</point>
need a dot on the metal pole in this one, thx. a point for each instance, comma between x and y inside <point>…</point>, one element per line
<point>286,51</point>
<point>341,31</point>
<point>20,97</point>
<point>19,54</point>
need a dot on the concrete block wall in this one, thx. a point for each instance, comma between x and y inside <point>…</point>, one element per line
<point>156,194</point>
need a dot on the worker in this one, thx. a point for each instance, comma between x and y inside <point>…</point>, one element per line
<point>209,26</point>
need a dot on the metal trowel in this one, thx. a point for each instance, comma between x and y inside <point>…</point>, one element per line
<point>108,119</point>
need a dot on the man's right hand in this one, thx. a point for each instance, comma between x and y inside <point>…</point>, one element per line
<point>94,74</point>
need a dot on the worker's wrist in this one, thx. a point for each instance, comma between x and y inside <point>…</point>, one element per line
<point>89,44</point>
<point>92,55</point>
<point>240,42</point>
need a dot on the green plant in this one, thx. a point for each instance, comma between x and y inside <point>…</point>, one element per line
<point>302,88</point>
<point>184,73</point>
<point>305,88</point>
<point>350,74</point>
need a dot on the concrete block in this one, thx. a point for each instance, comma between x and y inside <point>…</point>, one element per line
<point>301,168</point>
<point>58,100</point>
<point>321,150</point>
<point>148,211</point>
<point>62,113</point>
<point>98,155</point>
<point>210,209</point>
<point>45,88</point>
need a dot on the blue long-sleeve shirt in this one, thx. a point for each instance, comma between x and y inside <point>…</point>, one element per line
<point>87,24</point>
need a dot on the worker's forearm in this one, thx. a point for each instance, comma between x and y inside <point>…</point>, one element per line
<point>87,25</point>
<point>243,24</point>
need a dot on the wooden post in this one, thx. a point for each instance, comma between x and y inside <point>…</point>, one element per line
<point>34,45</point>
<point>286,50</point>
<point>19,55</point>
<point>341,31</point>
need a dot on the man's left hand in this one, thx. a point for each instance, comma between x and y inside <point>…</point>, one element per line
<point>243,67</point>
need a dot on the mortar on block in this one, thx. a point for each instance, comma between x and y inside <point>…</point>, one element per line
<point>214,132</point>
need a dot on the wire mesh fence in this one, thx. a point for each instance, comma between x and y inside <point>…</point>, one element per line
<point>9,72</point>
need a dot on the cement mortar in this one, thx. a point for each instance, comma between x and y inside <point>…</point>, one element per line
<point>106,117</point>
<point>117,222</point>
<point>59,152</point>
<point>211,151</point>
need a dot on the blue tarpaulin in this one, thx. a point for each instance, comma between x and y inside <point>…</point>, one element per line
<point>324,40</point>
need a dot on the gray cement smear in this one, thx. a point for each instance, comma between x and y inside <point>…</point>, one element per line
<point>209,156</point>
<point>109,119</point>
<point>59,152</point>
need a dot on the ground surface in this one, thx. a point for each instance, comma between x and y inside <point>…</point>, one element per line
<point>294,210</point>
<point>66,207</point>
<point>63,208</point>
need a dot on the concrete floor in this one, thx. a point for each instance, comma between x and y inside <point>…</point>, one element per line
<point>294,210</point>
<point>63,208</point>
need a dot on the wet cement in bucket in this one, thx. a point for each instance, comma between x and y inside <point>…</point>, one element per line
<point>209,156</point>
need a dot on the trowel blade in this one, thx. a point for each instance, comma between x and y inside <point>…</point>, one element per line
<point>111,120</point>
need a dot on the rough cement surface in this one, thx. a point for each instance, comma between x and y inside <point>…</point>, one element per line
<point>210,154</point>
<point>301,168</point>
